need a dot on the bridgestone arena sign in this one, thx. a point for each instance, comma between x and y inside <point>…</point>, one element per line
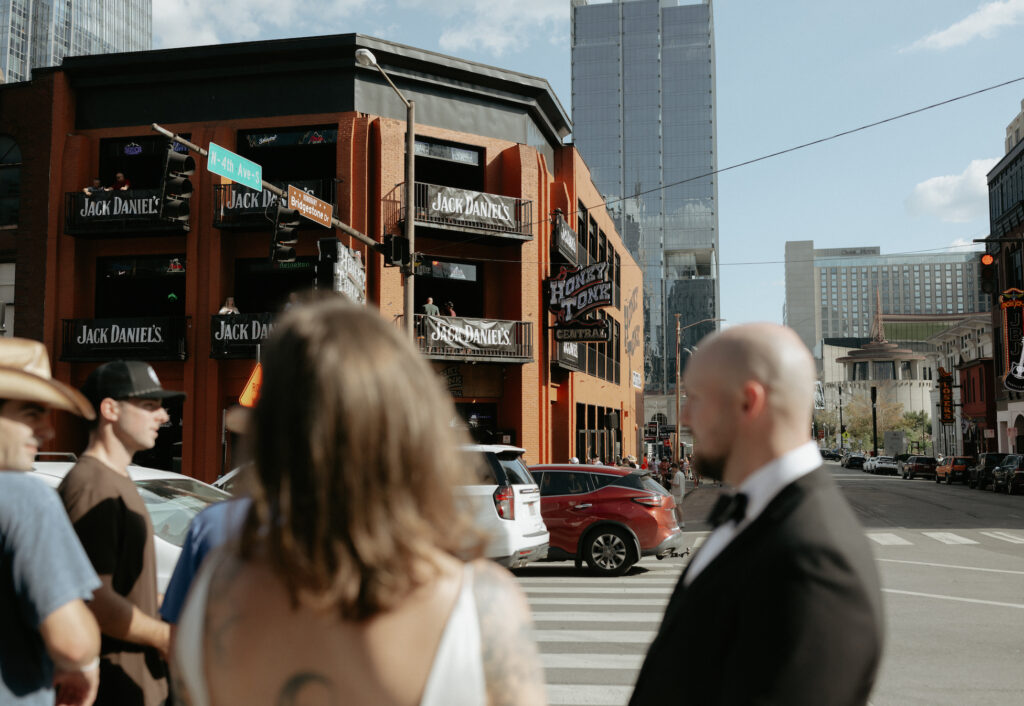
<point>490,210</point>
<point>577,290</point>
<point>459,334</point>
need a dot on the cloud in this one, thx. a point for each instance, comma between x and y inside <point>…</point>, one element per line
<point>497,27</point>
<point>963,245</point>
<point>984,22</point>
<point>182,23</point>
<point>954,198</point>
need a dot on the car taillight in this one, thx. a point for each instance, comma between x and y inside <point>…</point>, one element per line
<point>648,500</point>
<point>505,502</point>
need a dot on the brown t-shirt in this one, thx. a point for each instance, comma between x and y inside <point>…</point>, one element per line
<point>114,527</point>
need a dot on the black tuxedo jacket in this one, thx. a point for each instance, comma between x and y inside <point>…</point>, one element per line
<point>790,612</point>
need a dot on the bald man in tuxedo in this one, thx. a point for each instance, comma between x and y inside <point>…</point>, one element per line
<point>781,604</point>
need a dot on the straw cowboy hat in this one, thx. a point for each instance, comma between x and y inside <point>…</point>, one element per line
<point>25,375</point>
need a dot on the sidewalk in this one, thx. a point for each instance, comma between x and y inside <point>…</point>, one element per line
<point>697,505</point>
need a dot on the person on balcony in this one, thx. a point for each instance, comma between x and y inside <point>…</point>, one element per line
<point>229,307</point>
<point>449,309</point>
<point>430,308</point>
<point>94,189</point>
<point>121,183</point>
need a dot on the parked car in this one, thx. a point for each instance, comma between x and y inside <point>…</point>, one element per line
<point>980,474</point>
<point>855,460</point>
<point>885,465</point>
<point>608,517</point>
<point>830,455</point>
<point>919,467</point>
<point>171,498</point>
<point>506,505</point>
<point>1009,475</point>
<point>869,464</point>
<point>953,468</point>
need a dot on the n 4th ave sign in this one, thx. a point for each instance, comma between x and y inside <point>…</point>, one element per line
<point>235,167</point>
<point>310,206</point>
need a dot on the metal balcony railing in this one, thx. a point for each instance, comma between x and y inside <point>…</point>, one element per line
<point>464,338</point>
<point>449,208</point>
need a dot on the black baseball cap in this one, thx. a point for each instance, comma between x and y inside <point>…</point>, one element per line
<point>125,379</point>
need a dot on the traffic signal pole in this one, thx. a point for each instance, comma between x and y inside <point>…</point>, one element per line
<point>280,193</point>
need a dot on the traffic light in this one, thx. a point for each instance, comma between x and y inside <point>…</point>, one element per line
<point>175,188</point>
<point>989,274</point>
<point>286,223</point>
<point>327,258</point>
<point>395,249</point>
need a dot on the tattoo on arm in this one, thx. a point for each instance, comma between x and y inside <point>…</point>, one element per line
<point>307,689</point>
<point>512,669</point>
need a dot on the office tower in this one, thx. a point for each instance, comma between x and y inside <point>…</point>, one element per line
<point>643,111</point>
<point>832,292</point>
<point>35,33</point>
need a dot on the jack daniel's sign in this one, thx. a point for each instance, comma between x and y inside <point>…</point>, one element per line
<point>119,206</point>
<point>147,338</point>
<point>238,335</point>
<point>473,207</point>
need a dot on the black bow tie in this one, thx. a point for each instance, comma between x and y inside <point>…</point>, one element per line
<point>728,507</point>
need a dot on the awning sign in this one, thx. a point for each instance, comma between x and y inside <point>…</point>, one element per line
<point>1011,303</point>
<point>947,413</point>
<point>490,210</point>
<point>462,334</point>
<point>586,331</point>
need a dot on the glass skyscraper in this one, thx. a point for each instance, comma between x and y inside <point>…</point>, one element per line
<point>35,33</point>
<point>643,111</point>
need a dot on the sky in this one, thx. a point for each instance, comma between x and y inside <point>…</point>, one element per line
<point>789,72</point>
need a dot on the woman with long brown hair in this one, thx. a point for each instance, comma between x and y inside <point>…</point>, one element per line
<point>346,585</point>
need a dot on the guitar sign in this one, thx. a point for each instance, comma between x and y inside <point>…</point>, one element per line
<point>1015,375</point>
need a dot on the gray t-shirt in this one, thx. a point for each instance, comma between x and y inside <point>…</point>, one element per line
<point>42,567</point>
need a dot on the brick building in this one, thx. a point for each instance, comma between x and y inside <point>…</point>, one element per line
<point>104,277</point>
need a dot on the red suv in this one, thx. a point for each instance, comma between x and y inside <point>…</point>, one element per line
<point>606,516</point>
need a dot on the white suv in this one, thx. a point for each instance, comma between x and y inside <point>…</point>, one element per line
<point>506,505</point>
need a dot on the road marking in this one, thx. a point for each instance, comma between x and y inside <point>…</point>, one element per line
<point>954,566</point>
<point>610,592</point>
<point>955,598</point>
<point>598,617</point>
<point>887,539</point>
<point>591,661</point>
<point>610,602</point>
<point>699,541</point>
<point>1005,536</point>
<point>950,538</point>
<point>638,637</point>
<point>590,694</point>
<point>641,585</point>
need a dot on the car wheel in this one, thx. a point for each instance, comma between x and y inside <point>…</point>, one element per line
<point>608,552</point>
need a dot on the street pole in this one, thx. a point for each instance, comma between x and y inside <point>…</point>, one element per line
<point>675,445</point>
<point>410,215</point>
<point>842,432</point>
<point>874,420</point>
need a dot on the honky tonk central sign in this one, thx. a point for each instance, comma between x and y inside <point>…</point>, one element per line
<point>577,290</point>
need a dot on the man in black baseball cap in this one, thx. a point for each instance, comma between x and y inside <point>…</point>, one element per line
<point>115,528</point>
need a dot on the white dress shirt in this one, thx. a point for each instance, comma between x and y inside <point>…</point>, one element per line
<point>760,488</point>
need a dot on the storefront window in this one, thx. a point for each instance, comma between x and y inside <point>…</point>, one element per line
<point>449,164</point>
<point>449,281</point>
<point>143,285</point>
<point>292,153</point>
<point>10,180</point>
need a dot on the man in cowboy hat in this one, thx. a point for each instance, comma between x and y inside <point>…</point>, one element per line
<point>112,521</point>
<point>48,637</point>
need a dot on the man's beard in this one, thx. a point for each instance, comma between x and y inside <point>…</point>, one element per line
<point>712,467</point>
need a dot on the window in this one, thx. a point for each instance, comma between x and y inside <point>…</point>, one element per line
<point>564,483</point>
<point>10,180</point>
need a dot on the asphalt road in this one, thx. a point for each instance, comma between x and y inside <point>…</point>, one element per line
<point>952,567</point>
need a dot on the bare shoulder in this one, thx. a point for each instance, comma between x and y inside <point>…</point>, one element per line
<point>512,668</point>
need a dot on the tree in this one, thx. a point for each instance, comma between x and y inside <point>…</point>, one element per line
<point>857,415</point>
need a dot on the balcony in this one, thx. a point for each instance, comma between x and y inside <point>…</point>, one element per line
<point>238,336</point>
<point>237,206</point>
<point>461,210</point>
<point>133,212</point>
<point>474,340</point>
<point>142,338</point>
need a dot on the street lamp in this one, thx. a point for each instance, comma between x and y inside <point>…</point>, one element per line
<point>365,57</point>
<point>679,330</point>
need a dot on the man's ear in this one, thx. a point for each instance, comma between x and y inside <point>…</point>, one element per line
<point>109,409</point>
<point>754,398</point>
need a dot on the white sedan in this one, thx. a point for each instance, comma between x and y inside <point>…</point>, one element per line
<point>171,498</point>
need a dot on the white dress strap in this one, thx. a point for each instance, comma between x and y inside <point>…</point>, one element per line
<point>457,675</point>
<point>188,639</point>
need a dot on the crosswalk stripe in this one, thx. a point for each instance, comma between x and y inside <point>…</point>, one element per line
<point>610,592</point>
<point>589,694</point>
<point>1005,536</point>
<point>887,539</point>
<point>611,602</point>
<point>949,538</point>
<point>591,661</point>
<point>597,617</point>
<point>633,637</point>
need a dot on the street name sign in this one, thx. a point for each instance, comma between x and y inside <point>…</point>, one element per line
<point>235,167</point>
<point>310,206</point>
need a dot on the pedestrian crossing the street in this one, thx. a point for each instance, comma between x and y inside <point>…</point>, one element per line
<point>593,632</point>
